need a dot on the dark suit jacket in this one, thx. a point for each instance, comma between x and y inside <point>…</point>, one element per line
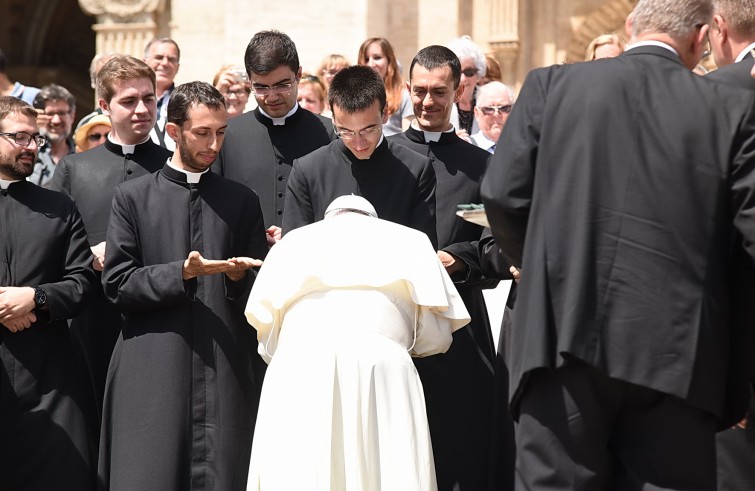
<point>619,193</point>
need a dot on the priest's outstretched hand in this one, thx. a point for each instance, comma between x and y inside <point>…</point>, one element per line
<point>235,268</point>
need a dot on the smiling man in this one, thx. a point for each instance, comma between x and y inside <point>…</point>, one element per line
<point>56,110</point>
<point>126,90</point>
<point>398,182</point>
<point>164,57</point>
<point>459,383</point>
<point>261,145</point>
<point>494,103</point>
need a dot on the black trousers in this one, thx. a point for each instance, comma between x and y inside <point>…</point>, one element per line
<point>581,430</point>
<point>736,455</point>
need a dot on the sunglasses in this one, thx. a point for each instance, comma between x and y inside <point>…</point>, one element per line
<point>469,72</point>
<point>93,137</point>
<point>490,110</point>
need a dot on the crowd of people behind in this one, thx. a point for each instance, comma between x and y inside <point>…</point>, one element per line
<point>320,208</point>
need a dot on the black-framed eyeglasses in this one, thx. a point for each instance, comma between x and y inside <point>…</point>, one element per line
<point>280,89</point>
<point>23,139</point>
<point>469,72</point>
<point>490,110</point>
<point>60,114</point>
<point>93,137</point>
<point>350,135</point>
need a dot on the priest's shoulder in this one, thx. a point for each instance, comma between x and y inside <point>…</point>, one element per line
<point>318,155</point>
<point>43,200</point>
<point>407,154</point>
<point>234,189</point>
<point>85,159</point>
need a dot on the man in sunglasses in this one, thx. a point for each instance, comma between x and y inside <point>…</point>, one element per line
<point>261,145</point>
<point>494,103</point>
<point>47,418</point>
<point>398,182</point>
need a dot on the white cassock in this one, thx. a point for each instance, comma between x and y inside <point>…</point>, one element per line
<point>339,307</point>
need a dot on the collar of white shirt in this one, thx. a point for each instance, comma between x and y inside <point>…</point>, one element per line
<point>651,42</point>
<point>744,52</point>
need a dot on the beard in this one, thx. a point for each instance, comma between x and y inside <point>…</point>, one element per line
<point>52,137</point>
<point>188,159</point>
<point>14,169</point>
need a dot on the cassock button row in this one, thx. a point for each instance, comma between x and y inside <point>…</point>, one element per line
<point>129,172</point>
<point>280,178</point>
<point>280,212</point>
<point>128,156</point>
<point>280,195</point>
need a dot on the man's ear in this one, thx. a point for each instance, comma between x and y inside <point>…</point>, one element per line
<point>104,106</point>
<point>458,93</point>
<point>721,28</point>
<point>173,131</point>
<point>385,114</point>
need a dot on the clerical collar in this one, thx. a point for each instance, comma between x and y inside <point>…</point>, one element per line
<point>126,149</point>
<point>652,42</point>
<point>191,177</point>
<point>279,121</point>
<point>6,184</point>
<point>431,136</point>
<point>745,52</point>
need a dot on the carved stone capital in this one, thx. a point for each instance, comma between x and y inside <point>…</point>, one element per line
<point>122,9</point>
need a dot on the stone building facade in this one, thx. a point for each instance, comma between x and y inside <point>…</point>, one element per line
<point>54,40</point>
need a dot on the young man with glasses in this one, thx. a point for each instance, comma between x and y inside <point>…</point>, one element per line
<point>126,91</point>
<point>398,182</point>
<point>494,103</point>
<point>261,145</point>
<point>458,384</point>
<point>56,108</point>
<point>47,418</point>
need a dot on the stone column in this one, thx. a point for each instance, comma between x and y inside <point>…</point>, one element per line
<point>124,26</point>
<point>504,36</point>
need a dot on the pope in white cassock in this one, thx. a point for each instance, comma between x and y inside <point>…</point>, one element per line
<point>340,306</point>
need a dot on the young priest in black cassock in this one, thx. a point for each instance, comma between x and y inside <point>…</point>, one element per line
<point>261,145</point>
<point>459,384</point>
<point>398,182</point>
<point>182,395</point>
<point>47,417</point>
<point>127,95</point>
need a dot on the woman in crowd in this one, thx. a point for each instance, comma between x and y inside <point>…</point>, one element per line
<point>473,68</point>
<point>604,46</point>
<point>91,132</point>
<point>377,53</point>
<point>311,95</point>
<point>329,66</point>
<point>233,82</point>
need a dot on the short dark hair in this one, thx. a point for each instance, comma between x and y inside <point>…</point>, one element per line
<point>268,50</point>
<point>54,92</point>
<point>356,88</point>
<point>119,69</point>
<point>192,94</point>
<point>162,40</point>
<point>436,56</point>
<point>10,104</point>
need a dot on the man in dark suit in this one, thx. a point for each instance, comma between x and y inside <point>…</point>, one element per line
<point>261,145</point>
<point>732,42</point>
<point>623,228</point>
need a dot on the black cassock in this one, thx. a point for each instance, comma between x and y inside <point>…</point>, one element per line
<point>181,396</point>
<point>459,384</point>
<point>259,154</point>
<point>47,421</point>
<point>90,179</point>
<point>398,182</point>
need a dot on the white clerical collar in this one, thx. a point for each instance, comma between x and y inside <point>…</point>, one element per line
<point>191,177</point>
<point>652,42</point>
<point>280,121</point>
<point>5,184</point>
<point>431,136</point>
<point>126,149</point>
<point>745,52</point>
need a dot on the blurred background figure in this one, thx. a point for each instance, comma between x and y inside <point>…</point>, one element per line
<point>604,46</point>
<point>15,89</point>
<point>233,82</point>
<point>92,131</point>
<point>473,68</point>
<point>492,71</point>
<point>56,108</point>
<point>494,103</point>
<point>329,66</point>
<point>377,53</point>
<point>98,62</point>
<point>311,95</point>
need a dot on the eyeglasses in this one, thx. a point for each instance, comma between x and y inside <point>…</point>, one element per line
<point>490,110</point>
<point>280,89</point>
<point>60,114</point>
<point>350,135</point>
<point>23,139</point>
<point>310,78</point>
<point>238,93</point>
<point>93,137</point>
<point>469,72</point>
<point>173,60</point>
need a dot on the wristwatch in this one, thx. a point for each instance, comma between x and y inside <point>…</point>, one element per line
<point>40,298</point>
